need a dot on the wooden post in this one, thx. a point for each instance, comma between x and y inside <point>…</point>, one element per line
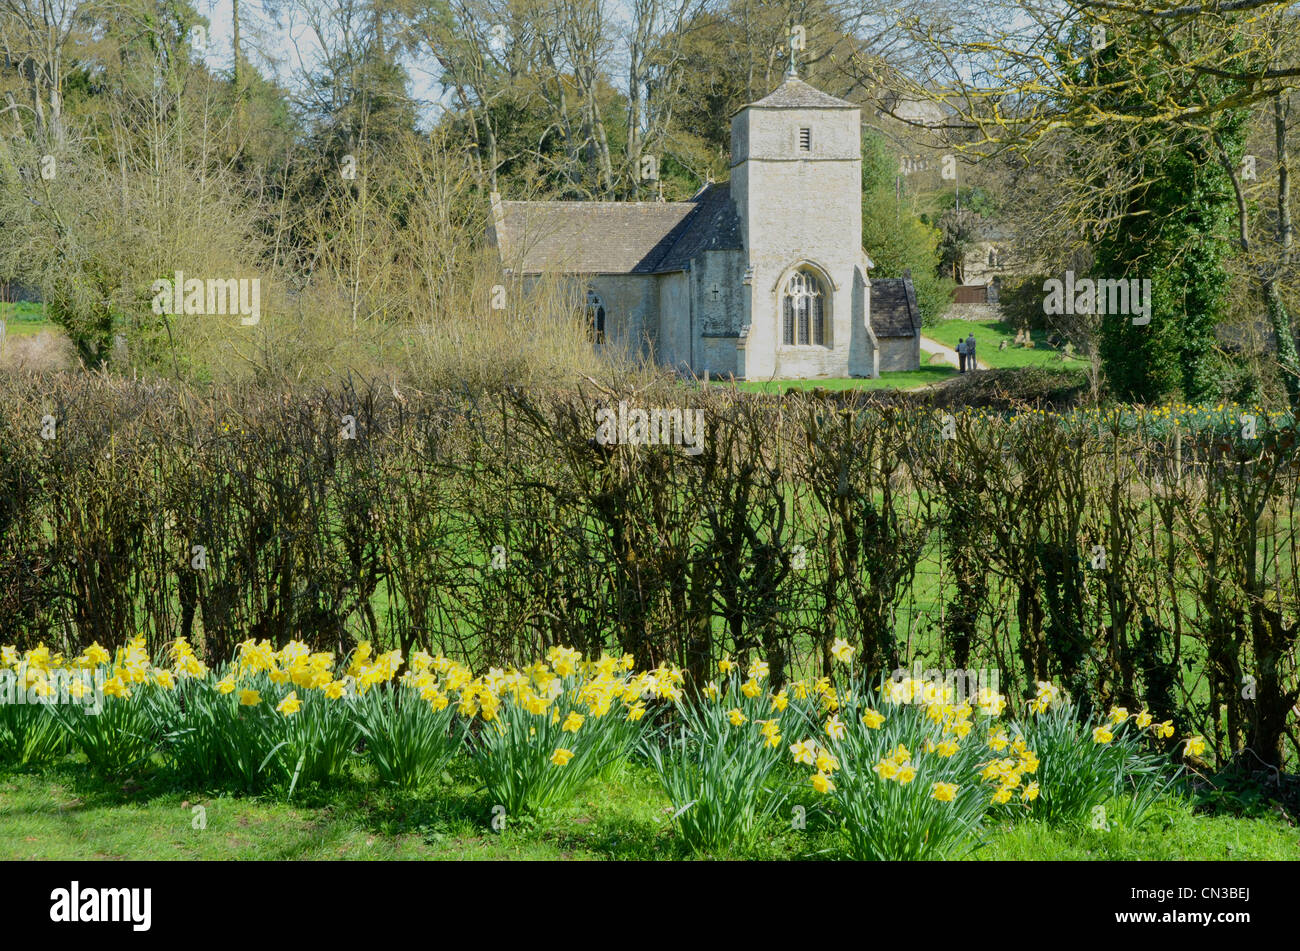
<point>1178,457</point>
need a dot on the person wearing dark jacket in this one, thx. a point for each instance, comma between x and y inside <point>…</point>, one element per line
<point>970,352</point>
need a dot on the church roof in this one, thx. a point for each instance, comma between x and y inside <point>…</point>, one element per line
<point>794,93</point>
<point>616,237</point>
<point>714,226</point>
<point>893,308</point>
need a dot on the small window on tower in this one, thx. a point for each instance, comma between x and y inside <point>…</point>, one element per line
<point>805,140</point>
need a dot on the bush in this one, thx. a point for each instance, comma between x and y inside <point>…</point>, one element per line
<point>546,732</point>
<point>412,733</point>
<point>723,764</point>
<point>1092,764</point>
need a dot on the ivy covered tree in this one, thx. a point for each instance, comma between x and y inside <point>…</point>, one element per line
<point>1171,228</point>
<point>898,240</point>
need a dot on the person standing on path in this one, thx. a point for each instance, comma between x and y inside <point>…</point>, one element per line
<point>970,352</point>
<point>961,356</point>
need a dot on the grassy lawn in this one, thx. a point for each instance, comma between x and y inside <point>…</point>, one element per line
<point>24,319</point>
<point>64,813</point>
<point>989,334</point>
<point>908,380</point>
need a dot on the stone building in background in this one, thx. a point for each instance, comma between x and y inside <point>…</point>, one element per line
<point>760,277</point>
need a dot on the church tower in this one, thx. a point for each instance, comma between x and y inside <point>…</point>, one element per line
<point>796,180</point>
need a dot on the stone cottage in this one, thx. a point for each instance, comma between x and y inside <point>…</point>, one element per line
<point>760,277</point>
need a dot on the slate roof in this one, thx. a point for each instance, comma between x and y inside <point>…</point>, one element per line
<point>616,237</point>
<point>794,93</point>
<point>893,308</point>
<point>714,226</point>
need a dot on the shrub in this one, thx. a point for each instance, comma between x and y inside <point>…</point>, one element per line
<point>29,733</point>
<point>900,770</point>
<point>1093,763</point>
<point>411,733</point>
<point>545,732</point>
<point>124,733</point>
<point>723,764</point>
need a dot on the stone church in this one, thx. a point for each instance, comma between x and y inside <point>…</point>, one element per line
<point>761,277</point>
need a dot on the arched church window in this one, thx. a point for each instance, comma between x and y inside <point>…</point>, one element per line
<point>804,310</point>
<point>595,317</point>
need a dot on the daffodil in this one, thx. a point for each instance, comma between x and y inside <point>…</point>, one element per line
<point>944,792</point>
<point>842,650</point>
<point>249,698</point>
<point>1195,746</point>
<point>804,752</point>
<point>735,716</point>
<point>821,783</point>
<point>872,719</point>
<point>1102,735</point>
<point>289,705</point>
<point>826,763</point>
<point>96,655</point>
<point>561,756</point>
<point>834,728</point>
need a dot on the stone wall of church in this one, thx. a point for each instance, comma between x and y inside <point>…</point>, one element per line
<point>722,272</point>
<point>809,362</point>
<point>717,286</point>
<point>799,208</point>
<point>898,354</point>
<point>631,309</point>
<point>673,347</point>
<point>861,354</point>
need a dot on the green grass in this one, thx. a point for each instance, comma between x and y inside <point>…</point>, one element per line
<point>1175,835</point>
<point>989,334</point>
<point>908,380</point>
<point>64,813</point>
<point>24,319</point>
